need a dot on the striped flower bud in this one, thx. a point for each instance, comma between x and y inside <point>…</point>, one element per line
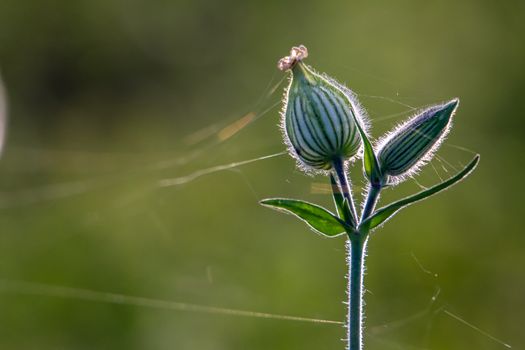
<point>409,146</point>
<point>319,116</point>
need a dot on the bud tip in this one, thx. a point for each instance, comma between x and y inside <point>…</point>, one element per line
<point>297,54</point>
<point>452,104</point>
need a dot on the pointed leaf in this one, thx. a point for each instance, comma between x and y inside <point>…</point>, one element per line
<point>370,163</point>
<point>385,213</point>
<point>318,218</point>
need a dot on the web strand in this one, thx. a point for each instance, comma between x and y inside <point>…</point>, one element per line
<point>447,312</point>
<point>214,134</point>
<point>38,289</point>
<point>477,329</point>
<point>188,178</point>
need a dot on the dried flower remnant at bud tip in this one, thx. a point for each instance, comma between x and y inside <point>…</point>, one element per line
<point>319,116</point>
<point>297,54</point>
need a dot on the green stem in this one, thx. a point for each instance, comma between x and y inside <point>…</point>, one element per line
<point>355,290</point>
<point>371,201</point>
<point>345,187</point>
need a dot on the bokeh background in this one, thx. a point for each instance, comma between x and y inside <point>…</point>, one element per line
<point>108,98</point>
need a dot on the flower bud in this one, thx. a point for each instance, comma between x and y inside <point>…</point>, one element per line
<point>319,116</point>
<point>408,147</point>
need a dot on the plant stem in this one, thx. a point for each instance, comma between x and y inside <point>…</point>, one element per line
<point>357,247</point>
<point>345,187</point>
<point>371,201</point>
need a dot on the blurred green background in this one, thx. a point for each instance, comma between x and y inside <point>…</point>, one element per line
<point>109,97</point>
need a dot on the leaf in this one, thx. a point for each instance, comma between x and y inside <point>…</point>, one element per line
<point>370,163</point>
<point>348,214</point>
<point>385,213</point>
<point>318,218</point>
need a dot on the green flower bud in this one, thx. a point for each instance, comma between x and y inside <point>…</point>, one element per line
<point>412,144</point>
<point>319,116</point>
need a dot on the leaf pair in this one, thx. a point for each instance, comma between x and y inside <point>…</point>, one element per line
<point>400,152</point>
<point>327,224</point>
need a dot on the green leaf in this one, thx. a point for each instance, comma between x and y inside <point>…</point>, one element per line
<point>318,218</point>
<point>385,213</point>
<point>348,214</point>
<point>370,163</point>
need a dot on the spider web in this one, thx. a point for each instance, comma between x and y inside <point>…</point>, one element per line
<point>200,143</point>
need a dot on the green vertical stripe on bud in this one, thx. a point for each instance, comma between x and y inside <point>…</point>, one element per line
<point>319,119</point>
<point>410,145</point>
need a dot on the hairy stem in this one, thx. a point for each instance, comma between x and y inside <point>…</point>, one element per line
<point>356,258</point>
<point>371,201</point>
<point>345,187</point>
